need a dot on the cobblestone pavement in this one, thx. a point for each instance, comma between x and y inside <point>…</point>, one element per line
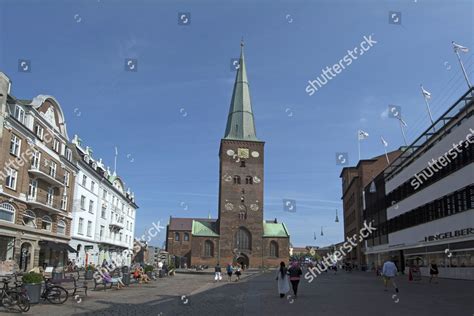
<point>353,294</point>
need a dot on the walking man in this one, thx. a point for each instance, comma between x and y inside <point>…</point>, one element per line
<point>389,271</point>
<point>229,270</point>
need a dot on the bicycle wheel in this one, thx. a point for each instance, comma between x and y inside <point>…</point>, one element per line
<point>23,302</point>
<point>57,295</point>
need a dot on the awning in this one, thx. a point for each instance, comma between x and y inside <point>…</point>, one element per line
<point>56,246</point>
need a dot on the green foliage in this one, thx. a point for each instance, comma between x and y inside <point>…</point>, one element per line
<point>90,267</point>
<point>32,278</point>
<point>148,268</point>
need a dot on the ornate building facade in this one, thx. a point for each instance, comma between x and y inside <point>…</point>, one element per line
<point>240,233</point>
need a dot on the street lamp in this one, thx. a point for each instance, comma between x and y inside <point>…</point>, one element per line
<point>337,218</point>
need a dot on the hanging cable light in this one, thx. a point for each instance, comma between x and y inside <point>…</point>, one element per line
<point>322,234</point>
<point>337,218</point>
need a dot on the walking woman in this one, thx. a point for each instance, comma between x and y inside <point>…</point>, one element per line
<point>229,270</point>
<point>282,278</point>
<point>295,272</point>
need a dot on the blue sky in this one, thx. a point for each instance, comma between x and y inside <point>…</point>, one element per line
<point>168,117</point>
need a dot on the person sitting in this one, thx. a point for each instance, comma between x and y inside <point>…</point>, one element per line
<point>114,280</point>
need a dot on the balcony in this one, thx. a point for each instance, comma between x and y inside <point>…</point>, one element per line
<point>43,173</point>
<point>41,201</point>
<point>117,223</point>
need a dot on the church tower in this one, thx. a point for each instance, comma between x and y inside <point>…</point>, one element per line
<point>241,155</point>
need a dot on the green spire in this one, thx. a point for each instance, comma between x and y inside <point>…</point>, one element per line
<point>240,123</point>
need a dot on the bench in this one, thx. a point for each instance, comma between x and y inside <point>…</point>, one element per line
<point>103,282</point>
<point>71,285</point>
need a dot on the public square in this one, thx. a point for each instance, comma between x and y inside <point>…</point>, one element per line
<point>346,293</point>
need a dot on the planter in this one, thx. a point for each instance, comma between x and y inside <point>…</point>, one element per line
<point>126,279</point>
<point>34,292</point>
<point>89,274</point>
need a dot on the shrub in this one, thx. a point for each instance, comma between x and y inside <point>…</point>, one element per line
<point>90,267</point>
<point>148,268</point>
<point>32,278</point>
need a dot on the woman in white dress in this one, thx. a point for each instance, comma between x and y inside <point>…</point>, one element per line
<point>282,278</point>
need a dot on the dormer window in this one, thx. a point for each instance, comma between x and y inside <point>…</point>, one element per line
<point>39,131</point>
<point>56,145</point>
<point>20,114</point>
<point>68,154</point>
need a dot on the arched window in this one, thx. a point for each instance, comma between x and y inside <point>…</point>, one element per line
<point>186,237</point>
<point>236,180</point>
<point>7,212</point>
<point>248,180</point>
<point>208,248</point>
<point>243,239</point>
<point>273,249</point>
<point>46,223</point>
<point>176,236</point>
<point>29,219</point>
<point>61,227</point>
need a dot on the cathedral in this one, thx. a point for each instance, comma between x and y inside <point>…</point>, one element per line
<point>239,234</point>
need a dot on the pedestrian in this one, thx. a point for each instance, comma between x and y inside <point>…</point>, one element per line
<point>104,263</point>
<point>238,272</point>
<point>295,272</point>
<point>229,271</point>
<point>433,271</point>
<point>282,278</point>
<point>217,273</point>
<point>334,267</point>
<point>389,271</point>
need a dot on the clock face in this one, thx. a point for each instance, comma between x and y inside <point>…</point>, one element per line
<point>227,178</point>
<point>254,207</point>
<point>243,153</point>
<point>229,206</point>
<point>230,152</point>
<point>255,154</point>
<point>256,179</point>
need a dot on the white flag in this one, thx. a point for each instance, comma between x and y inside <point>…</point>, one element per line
<point>426,94</point>
<point>384,142</point>
<point>458,47</point>
<point>362,135</point>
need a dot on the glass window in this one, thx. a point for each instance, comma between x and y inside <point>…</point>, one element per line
<point>84,180</point>
<point>176,236</point>
<point>89,228</point>
<point>92,186</point>
<point>273,249</point>
<point>83,202</point>
<point>36,160</point>
<point>7,212</point>
<point>33,189</point>
<point>64,202</point>
<point>186,237</point>
<point>208,248</point>
<point>20,114</point>
<point>91,206</point>
<point>12,176</point>
<point>15,145</point>
<point>39,131</point>
<point>46,223</point>
<point>50,196</point>
<point>62,227</point>
<point>52,169</point>
<point>66,178</point>
<point>80,228</point>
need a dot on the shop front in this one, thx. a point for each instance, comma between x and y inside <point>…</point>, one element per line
<point>53,254</point>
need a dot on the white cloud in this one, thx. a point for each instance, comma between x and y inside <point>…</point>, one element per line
<point>384,114</point>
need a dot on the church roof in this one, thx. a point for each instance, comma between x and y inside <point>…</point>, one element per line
<point>275,230</point>
<point>240,121</point>
<point>204,228</point>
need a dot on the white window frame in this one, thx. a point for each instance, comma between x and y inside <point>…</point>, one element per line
<point>15,145</point>
<point>33,189</point>
<point>53,167</point>
<point>29,214</point>
<point>92,186</point>
<point>101,232</point>
<point>80,226</point>
<point>68,154</point>
<point>64,202</point>
<point>50,196</point>
<point>39,131</point>
<point>61,225</point>
<point>91,206</point>
<point>83,202</point>
<point>89,229</point>
<point>56,145</point>
<point>84,180</point>
<point>20,114</point>
<point>36,160</point>
<point>11,179</point>
<point>47,219</point>
<point>7,208</point>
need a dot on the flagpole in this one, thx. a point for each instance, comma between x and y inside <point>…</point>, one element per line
<point>115,161</point>
<point>403,132</point>
<point>386,155</point>
<point>358,143</point>
<point>427,106</point>
<point>462,67</point>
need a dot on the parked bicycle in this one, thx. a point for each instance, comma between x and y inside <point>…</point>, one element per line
<point>55,294</point>
<point>14,296</point>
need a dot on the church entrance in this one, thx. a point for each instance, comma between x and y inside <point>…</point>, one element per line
<point>243,260</point>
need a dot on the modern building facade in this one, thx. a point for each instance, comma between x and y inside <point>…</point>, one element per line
<point>240,233</point>
<point>354,180</point>
<point>37,178</point>
<point>425,208</point>
<point>103,213</point>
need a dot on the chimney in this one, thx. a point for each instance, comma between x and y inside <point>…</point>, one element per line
<point>275,220</point>
<point>5,85</point>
